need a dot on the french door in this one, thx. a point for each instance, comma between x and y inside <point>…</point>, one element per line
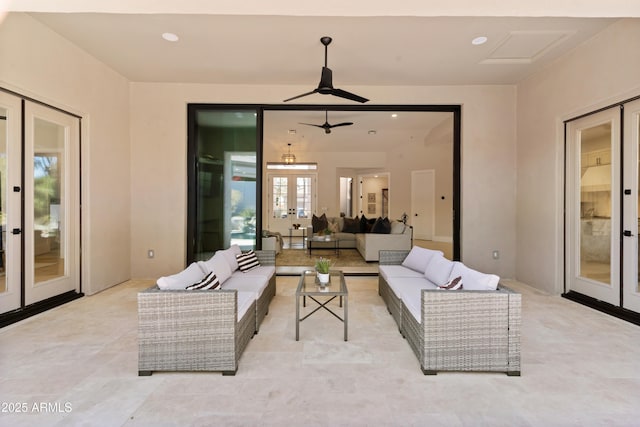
<point>602,198</point>
<point>40,202</point>
<point>291,200</point>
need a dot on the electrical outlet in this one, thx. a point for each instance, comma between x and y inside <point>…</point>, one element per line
<point>496,254</point>
<point>151,253</point>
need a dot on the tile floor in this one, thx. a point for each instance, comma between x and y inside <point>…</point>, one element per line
<point>77,365</point>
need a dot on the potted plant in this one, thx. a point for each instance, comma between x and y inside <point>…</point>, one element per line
<point>322,268</point>
<point>327,234</point>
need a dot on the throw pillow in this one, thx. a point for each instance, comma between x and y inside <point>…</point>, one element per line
<point>210,281</point>
<point>319,223</point>
<point>381,226</point>
<point>363,224</point>
<point>247,261</point>
<point>218,263</point>
<point>418,258</point>
<point>439,270</point>
<point>351,225</point>
<point>186,277</point>
<point>473,279</point>
<point>453,284</point>
<point>397,227</point>
<point>333,225</point>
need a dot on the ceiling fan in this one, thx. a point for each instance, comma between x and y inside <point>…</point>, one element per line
<point>326,81</point>
<point>326,126</point>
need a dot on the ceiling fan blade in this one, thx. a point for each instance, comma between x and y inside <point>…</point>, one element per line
<point>311,124</point>
<point>300,96</point>
<point>348,95</point>
<point>341,124</point>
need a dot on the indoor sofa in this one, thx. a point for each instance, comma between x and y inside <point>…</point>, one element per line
<point>183,329</point>
<point>473,328</point>
<point>368,236</point>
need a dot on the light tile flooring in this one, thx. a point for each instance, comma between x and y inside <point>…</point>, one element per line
<point>579,368</point>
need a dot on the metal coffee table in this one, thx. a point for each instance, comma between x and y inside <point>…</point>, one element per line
<point>310,287</point>
<point>323,242</point>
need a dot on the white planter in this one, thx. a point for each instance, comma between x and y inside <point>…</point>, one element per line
<point>323,278</point>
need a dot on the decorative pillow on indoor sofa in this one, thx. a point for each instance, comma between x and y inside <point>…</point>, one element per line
<point>319,223</point>
<point>186,277</point>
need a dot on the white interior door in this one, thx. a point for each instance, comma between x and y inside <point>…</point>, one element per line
<point>631,198</point>
<point>52,200</point>
<point>423,203</point>
<point>593,206</point>
<point>10,204</point>
<point>291,200</point>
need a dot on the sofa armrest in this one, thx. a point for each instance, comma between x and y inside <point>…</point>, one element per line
<point>266,257</point>
<point>392,257</point>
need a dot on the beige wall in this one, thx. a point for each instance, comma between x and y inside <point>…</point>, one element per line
<point>158,168</point>
<point>37,62</point>
<point>599,72</point>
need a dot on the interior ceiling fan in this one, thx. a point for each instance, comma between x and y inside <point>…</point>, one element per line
<point>326,126</point>
<point>326,81</point>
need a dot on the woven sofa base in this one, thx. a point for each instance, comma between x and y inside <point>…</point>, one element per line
<point>394,305</point>
<point>262,306</point>
<point>466,331</point>
<point>191,331</point>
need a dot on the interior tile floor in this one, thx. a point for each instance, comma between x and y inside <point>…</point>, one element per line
<point>579,368</point>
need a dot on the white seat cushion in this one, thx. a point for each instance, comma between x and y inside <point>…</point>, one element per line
<point>387,271</point>
<point>418,258</point>
<point>245,299</point>
<point>262,271</point>
<point>409,291</point>
<point>244,283</point>
<point>187,277</point>
<point>474,280</point>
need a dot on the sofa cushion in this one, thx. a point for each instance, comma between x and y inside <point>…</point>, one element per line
<point>319,223</point>
<point>210,281</point>
<point>245,302</point>
<point>262,271</point>
<point>473,279</point>
<point>218,264</point>
<point>387,271</point>
<point>381,226</point>
<point>418,258</point>
<point>244,283</point>
<point>409,290</point>
<point>247,261</point>
<point>351,225</point>
<point>398,227</point>
<point>190,275</point>
<point>230,256</point>
<point>439,269</point>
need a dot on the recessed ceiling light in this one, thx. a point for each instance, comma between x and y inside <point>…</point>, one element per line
<point>170,37</point>
<point>394,115</point>
<point>479,40</point>
<point>292,131</point>
<point>372,132</point>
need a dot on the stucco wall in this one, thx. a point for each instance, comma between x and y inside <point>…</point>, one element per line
<point>36,62</point>
<point>602,71</point>
<point>158,168</point>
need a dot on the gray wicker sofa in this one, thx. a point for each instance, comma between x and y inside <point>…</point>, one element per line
<point>204,330</point>
<point>471,329</point>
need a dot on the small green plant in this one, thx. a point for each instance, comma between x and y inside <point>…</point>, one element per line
<point>323,265</point>
<point>327,232</point>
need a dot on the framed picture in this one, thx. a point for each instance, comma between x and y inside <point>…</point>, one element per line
<point>371,208</point>
<point>371,197</point>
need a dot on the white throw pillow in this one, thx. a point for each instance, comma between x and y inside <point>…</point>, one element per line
<point>190,275</point>
<point>230,256</point>
<point>397,227</point>
<point>218,264</point>
<point>439,269</point>
<point>473,279</point>
<point>418,258</point>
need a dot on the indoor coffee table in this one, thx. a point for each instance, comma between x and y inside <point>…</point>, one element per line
<point>327,240</point>
<point>310,287</point>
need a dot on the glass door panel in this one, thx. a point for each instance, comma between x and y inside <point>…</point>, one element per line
<point>10,204</point>
<point>593,205</point>
<point>52,203</point>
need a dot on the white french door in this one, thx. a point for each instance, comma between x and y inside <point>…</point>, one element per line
<point>291,200</point>
<point>52,199</point>
<point>39,202</point>
<point>602,206</point>
<point>423,203</point>
<point>10,177</point>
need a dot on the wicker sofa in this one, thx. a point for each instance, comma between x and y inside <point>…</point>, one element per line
<point>204,330</point>
<point>471,329</point>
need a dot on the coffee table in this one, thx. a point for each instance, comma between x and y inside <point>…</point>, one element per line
<point>331,240</point>
<point>308,286</point>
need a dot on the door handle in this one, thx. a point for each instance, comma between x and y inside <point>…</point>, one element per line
<point>415,214</point>
<point>16,231</point>
<point>627,233</point>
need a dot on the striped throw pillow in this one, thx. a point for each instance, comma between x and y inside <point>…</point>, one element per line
<point>210,281</point>
<point>453,284</point>
<point>247,261</point>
